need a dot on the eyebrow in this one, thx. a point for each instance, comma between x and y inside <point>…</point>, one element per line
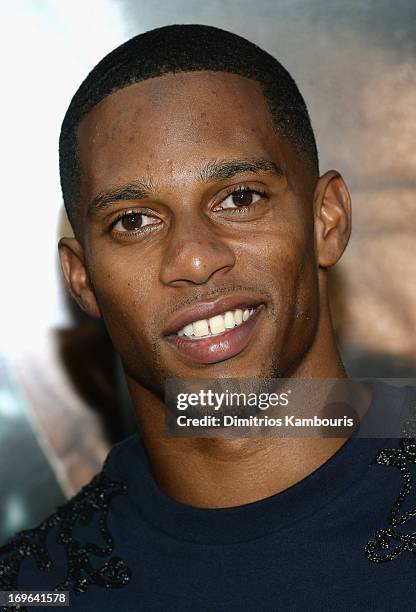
<point>224,169</point>
<point>138,190</point>
<point>217,170</point>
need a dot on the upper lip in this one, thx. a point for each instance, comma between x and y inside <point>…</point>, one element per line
<point>206,310</point>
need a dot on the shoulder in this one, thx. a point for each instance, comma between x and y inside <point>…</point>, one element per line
<point>56,553</point>
<point>397,534</point>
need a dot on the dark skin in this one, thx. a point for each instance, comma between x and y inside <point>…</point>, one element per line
<point>167,153</point>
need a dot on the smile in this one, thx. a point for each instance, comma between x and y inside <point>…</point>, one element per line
<point>217,325</point>
<point>219,337</point>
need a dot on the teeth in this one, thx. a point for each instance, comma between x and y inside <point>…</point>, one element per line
<point>229,320</point>
<point>188,330</point>
<point>238,316</point>
<point>216,325</point>
<point>200,328</point>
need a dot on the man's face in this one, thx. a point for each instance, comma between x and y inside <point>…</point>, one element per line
<point>194,207</point>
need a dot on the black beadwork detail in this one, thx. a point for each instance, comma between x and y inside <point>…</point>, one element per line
<point>94,498</point>
<point>388,543</point>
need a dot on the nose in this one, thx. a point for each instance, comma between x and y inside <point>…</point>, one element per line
<point>194,254</point>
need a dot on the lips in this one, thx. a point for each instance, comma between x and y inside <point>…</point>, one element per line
<point>213,349</point>
<point>206,310</point>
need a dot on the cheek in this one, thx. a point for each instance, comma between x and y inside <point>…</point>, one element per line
<point>300,305</point>
<point>285,259</point>
<point>122,291</point>
<point>284,256</point>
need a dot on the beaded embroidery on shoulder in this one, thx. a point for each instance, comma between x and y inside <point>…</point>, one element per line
<point>94,499</point>
<point>389,542</point>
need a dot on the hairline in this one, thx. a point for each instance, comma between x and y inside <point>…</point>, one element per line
<point>135,79</point>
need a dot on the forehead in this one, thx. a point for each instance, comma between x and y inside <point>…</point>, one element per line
<point>163,127</point>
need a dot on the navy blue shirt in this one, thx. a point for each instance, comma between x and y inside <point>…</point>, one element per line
<point>344,538</point>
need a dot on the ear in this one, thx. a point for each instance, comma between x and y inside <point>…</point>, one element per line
<point>76,277</point>
<point>332,210</point>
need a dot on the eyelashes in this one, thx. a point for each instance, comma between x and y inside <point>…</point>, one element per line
<point>131,217</point>
<point>238,200</point>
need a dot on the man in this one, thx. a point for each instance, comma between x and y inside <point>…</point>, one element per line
<point>203,238</point>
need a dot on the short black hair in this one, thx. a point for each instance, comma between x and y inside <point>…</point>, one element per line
<point>184,48</point>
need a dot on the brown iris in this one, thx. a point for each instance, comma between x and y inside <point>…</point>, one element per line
<point>131,222</point>
<point>242,198</point>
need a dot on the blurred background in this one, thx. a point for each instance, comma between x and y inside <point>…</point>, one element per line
<point>63,403</point>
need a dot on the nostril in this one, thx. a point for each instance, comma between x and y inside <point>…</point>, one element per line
<point>194,260</point>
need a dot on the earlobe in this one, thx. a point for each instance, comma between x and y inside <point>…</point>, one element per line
<point>76,277</point>
<point>332,209</point>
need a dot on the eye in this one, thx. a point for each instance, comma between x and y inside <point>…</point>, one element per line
<point>241,198</point>
<point>132,222</point>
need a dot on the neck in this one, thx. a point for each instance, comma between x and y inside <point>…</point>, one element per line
<point>218,473</point>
